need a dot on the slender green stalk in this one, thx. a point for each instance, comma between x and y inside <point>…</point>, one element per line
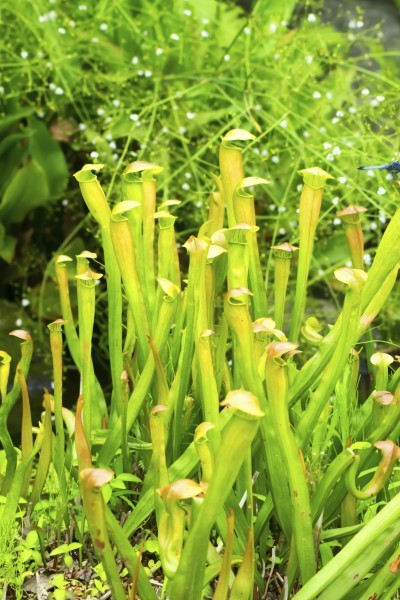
<point>197,249</point>
<point>350,319</point>
<point>126,255</point>
<point>91,481</point>
<point>8,404</point>
<point>149,208</point>
<point>243,204</point>
<point>96,202</point>
<point>350,217</point>
<point>310,206</point>
<point>282,256</point>
<point>236,438</point>
<point>26,431</point>
<point>276,378</point>
<point>92,417</point>
<point>43,466</point>
<point>231,165</point>
<point>221,591</point>
<point>56,344</point>
<point>387,576</point>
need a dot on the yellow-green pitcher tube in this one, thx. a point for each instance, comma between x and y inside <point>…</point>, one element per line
<point>97,204</point>
<point>277,382</point>
<point>310,205</point>
<point>351,221</point>
<point>282,257</point>
<point>231,166</point>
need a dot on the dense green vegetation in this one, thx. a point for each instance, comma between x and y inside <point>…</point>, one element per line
<point>229,288</point>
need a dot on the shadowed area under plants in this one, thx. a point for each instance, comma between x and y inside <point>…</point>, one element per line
<point>234,455</point>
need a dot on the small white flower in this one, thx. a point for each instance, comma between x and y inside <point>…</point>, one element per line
<point>94,154</point>
<point>373,226</point>
<point>190,115</point>
<point>352,110</point>
<point>103,27</point>
<point>330,157</point>
<point>306,134</point>
<point>24,54</point>
<point>336,221</point>
<point>62,30</point>
<point>365,92</point>
<point>247,30</point>
<point>371,173</point>
<point>72,23</point>
<point>52,15</point>
<point>374,103</point>
<point>148,73</point>
<point>339,113</point>
<point>335,201</point>
<point>299,187</point>
<point>109,137</point>
<point>329,95</point>
<point>311,18</point>
<point>316,95</point>
<point>322,129</point>
<point>25,302</point>
<point>335,120</point>
<point>159,51</point>
<point>293,224</point>
<point>327,145</point>
<point>348,263</point>
<point>40,113</point>
<point>309,59</point>
<point>95,40</point>
<point>182,130</point>
<point>18,322</point>
<point>336,150</point>
<point>116,102</point>
<point>204,34</point>
<point>59,91</point>
<point>188,175</point>
<point>52,86</point>
<point>205,21</point>
<point>199,204</point>
<point>227,57</point>
<point>165,130</point>
<point>187,12</point>
<point>381,191</point>
<point>282,231</point>
<point>360,24</point>
<point>272,207</point>
<point>82,126</point>
<point>134,117</point>
<point>185,186</point>
<point>264,152</point>
<point>140,73</point>
<point>283,123</point>
<point>342,179</point>
<point>82,7</point>
<point>275,159</point>
<point>380,35</point>
<point>42,18</point>
<point>277,56</point>
<point>100,111</point>
<point>135,60</point>
<point>65,202</point>
<point>175,37</point>
<point>281,209</point>
<point>382,216</point>
<point>273,27</point>
<point>380,98</point>
<point>113,145</point>
<point>367,259</point>
<point>256,150</point>
<point>351,37</point>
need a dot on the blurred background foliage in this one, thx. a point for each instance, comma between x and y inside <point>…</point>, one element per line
<point>112,82</point>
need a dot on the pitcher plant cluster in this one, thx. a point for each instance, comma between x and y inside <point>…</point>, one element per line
<point>242,412</point>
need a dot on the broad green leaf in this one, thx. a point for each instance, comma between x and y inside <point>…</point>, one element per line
<point>27,190</point>
<point>48,154</point>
